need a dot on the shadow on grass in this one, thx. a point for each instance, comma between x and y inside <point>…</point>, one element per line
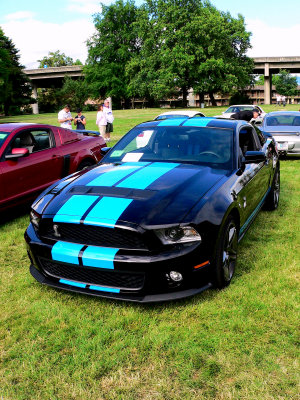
<point>13,214</point>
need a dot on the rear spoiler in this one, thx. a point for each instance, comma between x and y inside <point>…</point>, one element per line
<point>86,132</point>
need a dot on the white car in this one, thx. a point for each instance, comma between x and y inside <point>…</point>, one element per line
<point>241,107</point>
<point>179,114</point>
<point>143,138</point>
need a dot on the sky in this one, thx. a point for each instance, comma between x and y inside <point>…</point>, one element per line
<point>37,27</point>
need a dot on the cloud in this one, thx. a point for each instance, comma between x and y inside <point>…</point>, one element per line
<point>19,15</point>
<point>35,39</point>
<point>273,41</point>
<point>89,7</point>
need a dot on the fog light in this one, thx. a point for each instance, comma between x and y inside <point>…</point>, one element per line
<point>175,276</point>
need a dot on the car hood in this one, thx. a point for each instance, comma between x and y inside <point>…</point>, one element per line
<point>144,194</point>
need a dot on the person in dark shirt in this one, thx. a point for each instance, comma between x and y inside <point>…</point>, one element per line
<point>79,120</point>
<point>246,115</point>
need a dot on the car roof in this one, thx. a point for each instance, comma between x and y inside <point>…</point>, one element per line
<point>188,113</point>
<point>274,113</point>
<point>195,122</point>
<point>11,126</point>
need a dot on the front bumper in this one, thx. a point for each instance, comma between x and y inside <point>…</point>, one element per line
<point>136,276</point>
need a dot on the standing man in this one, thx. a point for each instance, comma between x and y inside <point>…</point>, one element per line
<point>246,115</point>
<point>110,119</point>
<point>65,118</point>
<point>79,120</point>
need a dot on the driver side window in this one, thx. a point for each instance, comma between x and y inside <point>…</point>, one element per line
<point>34,141</point>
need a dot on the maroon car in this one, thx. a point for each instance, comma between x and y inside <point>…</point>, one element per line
<point>33,156</point>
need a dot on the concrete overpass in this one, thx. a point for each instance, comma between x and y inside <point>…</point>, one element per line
<point>50,77</point>
<point>267,66</point>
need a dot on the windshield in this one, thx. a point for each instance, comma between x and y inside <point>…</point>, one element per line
<point>235,109</point>
<point>3,136</point>
<point>185,144</point>
<point>283,120</point>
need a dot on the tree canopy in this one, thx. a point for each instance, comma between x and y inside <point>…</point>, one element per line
<point>57,59</point>
<point>110,49</point>
<point>286,84</point>
<point>15,89</point>
<point>165,46</point>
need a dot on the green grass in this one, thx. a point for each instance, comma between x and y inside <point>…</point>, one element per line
<point>238,343</point>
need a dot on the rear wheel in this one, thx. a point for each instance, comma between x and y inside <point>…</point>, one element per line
<point>272,199</point>
<point>226,254</point>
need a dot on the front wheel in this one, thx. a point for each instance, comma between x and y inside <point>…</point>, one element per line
<point>272,199</point>
<point>226,254</point>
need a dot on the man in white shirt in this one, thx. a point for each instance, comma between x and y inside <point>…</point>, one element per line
<point>109,117</point>
<point>65,118</point>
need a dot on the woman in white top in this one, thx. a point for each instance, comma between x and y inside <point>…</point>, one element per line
<point>101,121</point>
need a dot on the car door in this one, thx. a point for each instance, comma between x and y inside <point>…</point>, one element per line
<point>253,183</point>
<point>26,176</point>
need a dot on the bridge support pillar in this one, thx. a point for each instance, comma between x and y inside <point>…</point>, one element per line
<point>35,106</point>
<point>268,85</point>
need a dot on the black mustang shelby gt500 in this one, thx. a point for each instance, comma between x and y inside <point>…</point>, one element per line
<point>161,216</point>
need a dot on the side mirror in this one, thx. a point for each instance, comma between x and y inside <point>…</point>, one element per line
<point>17,153</point>
<point>254,157</point>
<point>105,150</point>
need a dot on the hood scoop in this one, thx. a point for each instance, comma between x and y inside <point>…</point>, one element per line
<point>135,194</point>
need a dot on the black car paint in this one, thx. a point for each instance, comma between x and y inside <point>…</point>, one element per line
<point>240,193</point>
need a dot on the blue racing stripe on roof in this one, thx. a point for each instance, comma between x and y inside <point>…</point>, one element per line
<point>107,211</point>
<point>171,122</point>
<point>99,257</point>
<point>74,208</point>
<point>66,252</point>
<point>110,177</point>
<point>72,283</point>
<point>197,121</point>
<point>143,178</point>
<point>104,289</point>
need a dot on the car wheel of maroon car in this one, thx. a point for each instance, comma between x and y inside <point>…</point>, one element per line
<point>85,164</point>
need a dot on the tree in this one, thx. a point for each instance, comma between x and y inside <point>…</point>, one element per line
<point>57,59</point>
<point>15,89</point>
<point>188,43</point>
<point>286,84</point>
<point>110,49</point>
<point>74,92</point>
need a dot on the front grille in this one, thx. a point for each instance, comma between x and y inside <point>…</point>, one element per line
<point>95,236</point>
<point>118,279</point>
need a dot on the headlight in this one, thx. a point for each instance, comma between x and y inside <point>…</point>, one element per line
<point>35,219</point>
<point>178,235</point>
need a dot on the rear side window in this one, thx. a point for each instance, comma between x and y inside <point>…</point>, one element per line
<point>3,136</point>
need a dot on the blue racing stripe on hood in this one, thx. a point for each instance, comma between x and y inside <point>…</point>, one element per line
<point>107,211</point>
<point>66,252</point>
<point>111,177</point>
<point>143,178</point>
<point>74,208</point>
<point>99,257</point>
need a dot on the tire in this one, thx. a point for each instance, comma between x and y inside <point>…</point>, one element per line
<point>226,254</point>
<point>85,164</point>
<point>272,199</point>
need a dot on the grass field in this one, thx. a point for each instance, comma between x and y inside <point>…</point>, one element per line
<point>238,343</point>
